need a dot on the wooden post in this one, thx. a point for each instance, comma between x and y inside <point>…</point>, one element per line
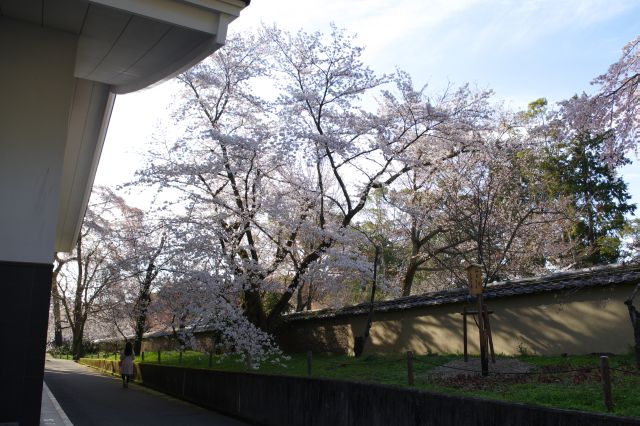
<point>464,332</point>
<point>484,361</point>
<point>210,359</point>
<point>142,356</point>
<point>309,362</point>
<point>410,368</point>
<point>158,356</point>
<point>485,314</point>
<point>606,382</point>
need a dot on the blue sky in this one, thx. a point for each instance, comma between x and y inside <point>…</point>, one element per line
<point>522,50</point>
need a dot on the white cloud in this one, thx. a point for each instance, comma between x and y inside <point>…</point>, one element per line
<point>381,24</point>
<point>378,23</point>
<point>519,24</point>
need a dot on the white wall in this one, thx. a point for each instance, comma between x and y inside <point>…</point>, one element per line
<point>36,83</point>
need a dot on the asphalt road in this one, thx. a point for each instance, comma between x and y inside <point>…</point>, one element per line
<point>90,398</point>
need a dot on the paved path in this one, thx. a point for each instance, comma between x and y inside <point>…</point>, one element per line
<point>51,414</point>
<point>90,398</point>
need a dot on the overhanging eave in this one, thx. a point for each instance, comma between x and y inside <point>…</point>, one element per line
<point>88,121</point>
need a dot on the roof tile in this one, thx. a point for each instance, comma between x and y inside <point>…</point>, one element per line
<point>592,277</point>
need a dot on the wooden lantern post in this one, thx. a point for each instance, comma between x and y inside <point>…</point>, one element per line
<point>474,281</point>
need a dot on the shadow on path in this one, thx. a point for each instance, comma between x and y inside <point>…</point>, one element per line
<point>89,398</point>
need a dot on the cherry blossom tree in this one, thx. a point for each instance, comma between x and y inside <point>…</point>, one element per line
<point>424,225</point>
<point>141,254</point>
<point>619,97</point>
<point>222,164</point>
<point>83,284</point>
<point>355,151</point>
<point>488,206</point>
<point>271,189</point>
<point>510,226</point>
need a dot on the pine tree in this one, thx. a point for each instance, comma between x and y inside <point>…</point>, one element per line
<point>576,169</point>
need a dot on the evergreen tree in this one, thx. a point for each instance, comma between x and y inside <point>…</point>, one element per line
<point>576,169</point>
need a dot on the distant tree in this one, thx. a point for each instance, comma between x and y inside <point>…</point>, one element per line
<point>83,284</point>
<point>502,213</point>
<point>383,227</point>
<point>423,225</point>
<point>488,206</point>
<point>141,253</point>
<point>60,260</point>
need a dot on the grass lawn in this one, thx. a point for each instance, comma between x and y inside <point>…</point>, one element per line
<point>551,385</point>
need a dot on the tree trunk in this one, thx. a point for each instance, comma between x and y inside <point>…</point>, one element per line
<point>179,334</point>
<point>634,315</point>
<point>309,297</point>
<point>409,275</point>
<point>360,342</point>
<point>300,303</point>
<point>412,268</point>
<point>253,310</point>
<point>590,230</point>
<point>56,299</point>
<point>141,320</point>
<point>76,344</point>
<point>144,299</point>
<point>275,315</point>
<point>78,319</point>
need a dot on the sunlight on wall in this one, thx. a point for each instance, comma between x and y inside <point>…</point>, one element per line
<point>576,322</point>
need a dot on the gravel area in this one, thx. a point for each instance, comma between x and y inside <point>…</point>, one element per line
<point>473,367</point>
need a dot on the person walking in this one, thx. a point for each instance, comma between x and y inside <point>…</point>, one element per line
<point>126,364</point>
